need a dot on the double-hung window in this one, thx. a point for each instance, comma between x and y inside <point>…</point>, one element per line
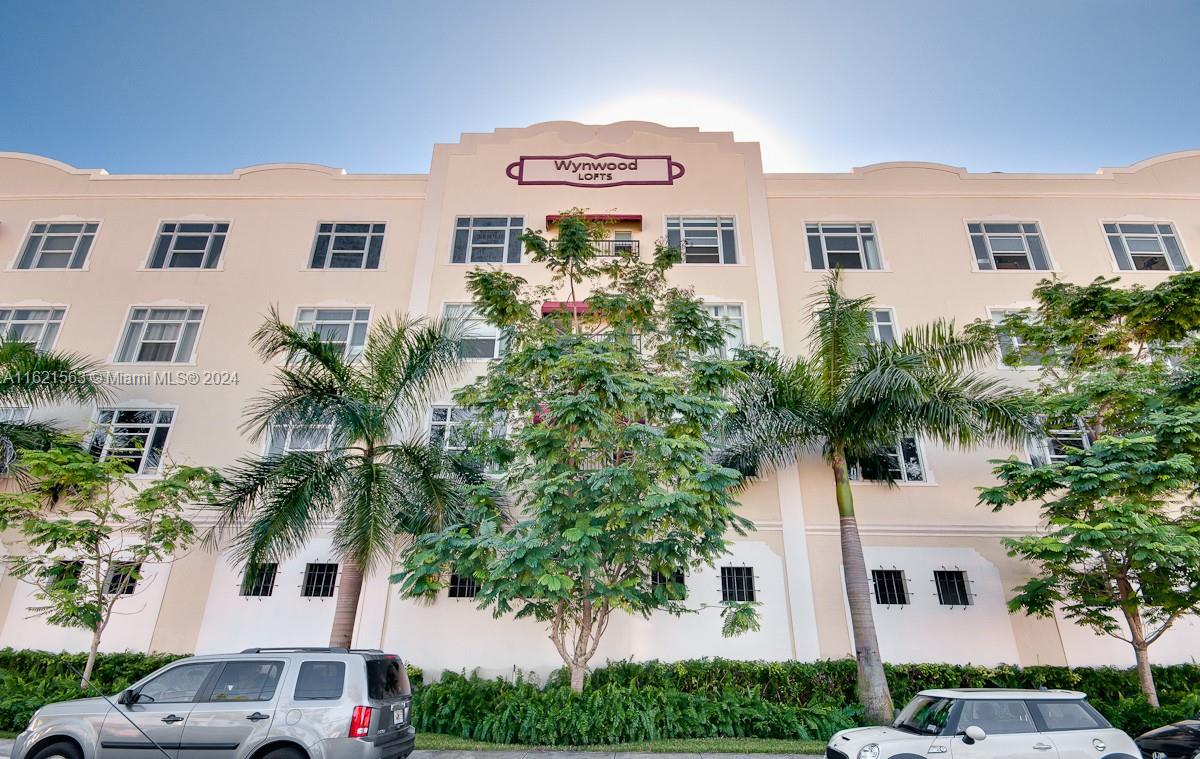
<point>703,239</point>
<point>899,462</point>
<point>160,335</point>
<point>479,339</point>
<point>347,245</point>
<point>1146,247</point>
<point>36,326</point>
<point>882,328</point>
<point>730,317</point>
<point>57,245</point>
<point>842,246</point>
<point>343,328</point>
<point>487,240</point>
<point>188,245</point>
<point>1008,245</point>
<point>136,436</point>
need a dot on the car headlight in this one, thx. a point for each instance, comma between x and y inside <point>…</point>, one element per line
<point>869,751</point>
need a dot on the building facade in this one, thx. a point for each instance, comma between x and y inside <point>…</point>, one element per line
<point>164,278</point>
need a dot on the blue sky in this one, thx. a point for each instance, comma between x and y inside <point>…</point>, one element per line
<point>208,85</point>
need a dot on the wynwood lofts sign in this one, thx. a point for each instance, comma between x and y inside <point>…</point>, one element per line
<point>589,170</point>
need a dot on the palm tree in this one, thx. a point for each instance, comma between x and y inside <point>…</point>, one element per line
<point>344,465</point>
<point>30,378</point>
<point>850,399</point>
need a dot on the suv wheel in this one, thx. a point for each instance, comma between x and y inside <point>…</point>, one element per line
<point>283,753</point>
<point>60,750</point>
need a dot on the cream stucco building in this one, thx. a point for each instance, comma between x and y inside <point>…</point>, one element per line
<point>165,277</point>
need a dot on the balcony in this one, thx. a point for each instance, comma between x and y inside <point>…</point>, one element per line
<point>613,248</point>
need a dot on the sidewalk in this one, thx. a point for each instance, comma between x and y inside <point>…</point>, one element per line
<point>6,747</point>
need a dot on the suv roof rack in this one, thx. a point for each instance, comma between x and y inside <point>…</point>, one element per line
<point>312,649</point>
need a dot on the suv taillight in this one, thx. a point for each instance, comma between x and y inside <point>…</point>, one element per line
<point>360,723</point>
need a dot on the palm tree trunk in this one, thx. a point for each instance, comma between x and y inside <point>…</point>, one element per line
<point>873,690</point>
<point>345,613</point>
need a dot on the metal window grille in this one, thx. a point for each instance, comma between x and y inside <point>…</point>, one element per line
<point>952,587</point>
<point>463,586</point>
<point>667,581</point>
<point>319,580</point>
<point>737,584</point>
<point>123,578</point>
<point>890,588</point>
<point>258,580</point>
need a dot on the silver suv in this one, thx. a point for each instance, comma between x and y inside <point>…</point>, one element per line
<point>264,703</point>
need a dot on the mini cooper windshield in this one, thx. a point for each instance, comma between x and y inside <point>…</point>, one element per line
<point>924,715</point>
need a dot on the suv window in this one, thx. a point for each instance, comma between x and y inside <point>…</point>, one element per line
<point>997,717</point>
<point>320,681</point>
<point>178,685</point>
<point>1067,715</point>
<point>247,681</point>
<point>387,678</point>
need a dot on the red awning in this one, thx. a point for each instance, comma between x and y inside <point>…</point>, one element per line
<point>572,306</point>
<point>608,218</point>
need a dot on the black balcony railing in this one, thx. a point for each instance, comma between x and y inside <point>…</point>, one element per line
<point>610,248</point>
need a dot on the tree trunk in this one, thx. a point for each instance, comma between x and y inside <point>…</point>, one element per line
<point>1137,638</point>
<point>1145,676</point>
<point>91,659</point>
<point>345,613</point>
<point>577,673</point>
<point>873,690</point>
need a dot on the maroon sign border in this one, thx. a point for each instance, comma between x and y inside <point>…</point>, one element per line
<point>519,165</point>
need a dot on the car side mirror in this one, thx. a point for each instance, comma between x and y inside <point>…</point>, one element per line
<point>128,697</point>
<point>973,734</point>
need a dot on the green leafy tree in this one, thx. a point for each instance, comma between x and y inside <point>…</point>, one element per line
<point>607,402</point>
<point>89,528</point>
<point>850,399</point>
<point>351,467</point>
<point>1119,389</point>
<point>32,378</point>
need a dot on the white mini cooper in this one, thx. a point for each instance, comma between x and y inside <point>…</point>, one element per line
<point>969,723</point>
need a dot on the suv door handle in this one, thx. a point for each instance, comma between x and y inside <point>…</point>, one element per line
<point>171,719</point>
<point>257,716</point>
<point>1042,747</point>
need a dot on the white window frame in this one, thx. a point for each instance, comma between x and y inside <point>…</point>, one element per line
<point>996,314</point>
<point>1043,447</point>
<point>475,327</point>
<point>100,427</point>
<point>863,230</point>
<point>719,311</point>
<point>510,230</point>
<point>288,431</point>
<point>1023,233</point>
<point>677,222</point>
<point>129,332</point>
<point>49,327</point>
<point>375,229</point>
<point>1124,236</point>
<point>896,454</point>
<point>216,236</point>
<point>874,335</point>
<point>91,235</point>
<point>360,316</point>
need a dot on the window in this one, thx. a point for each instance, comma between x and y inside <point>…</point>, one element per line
<point>463,586</point>
<point>347,245</point>
<point>480,339</point>
<point>674,584</point>
<point>883,327</point>
<point>14,414</point>
<point>319,580</point>
<point>188,245</point>
<point>925,714</point>
<point>320,681</point>
<point>900,462</point>
<point>842,246</point>
<point>123,578</point>
<point>730,317</point>
<point>36,326</point>
<point>703,240</point>
<point>952,588</point>
<point>996,717</point>
<point>1145,247</point>
<point>57,246</point>
<point>247,681</point>
<point>291,438</point>
<point>1011,345</point>
<point>487,239</point>
<point>136,436</point>
<point>1055,447</point>
<point>258,580</point>
<point>890,587</point>
<point>160,335</point>
<point>343,328</point>
<point>1007,245</point>
<point>737,584</point>
<point>1067,715</point>
<point>178,685</point>
<point>387,678</point>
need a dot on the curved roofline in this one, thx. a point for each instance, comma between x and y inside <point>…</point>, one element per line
<point>66,168</point>
<point>1146,163</point>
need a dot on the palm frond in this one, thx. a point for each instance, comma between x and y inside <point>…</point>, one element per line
<point>409,360</point>
<point>839,334</point>
<point>30,377</point>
